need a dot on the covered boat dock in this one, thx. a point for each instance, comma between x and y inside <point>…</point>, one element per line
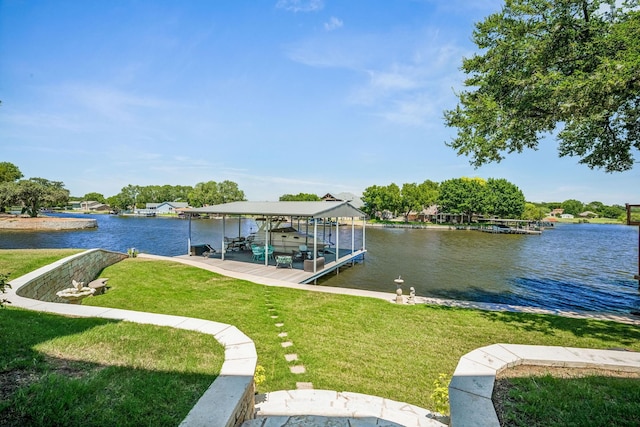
<point>319,261</point>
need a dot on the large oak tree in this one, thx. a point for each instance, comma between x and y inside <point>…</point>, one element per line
<point>569,68</point>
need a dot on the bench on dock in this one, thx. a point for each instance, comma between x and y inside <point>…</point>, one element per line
<point>284,261</point>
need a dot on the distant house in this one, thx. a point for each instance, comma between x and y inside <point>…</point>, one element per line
<point>566,216</point>
<point>354,200</point>
<point>428,214</point>
<point>557,212</point>
<point>165,207</point>
<point>90,205</point>
<point>588,214</point>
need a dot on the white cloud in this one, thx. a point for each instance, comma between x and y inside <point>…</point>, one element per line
<point>333,24</point>
<point>406,76</point>
<point>300,5</point>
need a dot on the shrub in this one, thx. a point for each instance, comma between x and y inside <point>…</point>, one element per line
<point>4,285</point>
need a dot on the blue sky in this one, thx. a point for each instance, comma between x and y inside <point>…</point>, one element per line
<point>279,96</point>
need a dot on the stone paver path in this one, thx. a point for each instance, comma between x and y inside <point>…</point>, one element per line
<point>291,358</point>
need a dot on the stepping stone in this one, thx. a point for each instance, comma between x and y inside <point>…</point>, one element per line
<point>286,344</point>
<point>282,334</point>
<point>299,369</point>
<point>279,325</point>
<point>274,317</point>
<point>291,357</point>
<point>304,386</point>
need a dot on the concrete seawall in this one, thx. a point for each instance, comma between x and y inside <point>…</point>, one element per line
<point>46,223</point>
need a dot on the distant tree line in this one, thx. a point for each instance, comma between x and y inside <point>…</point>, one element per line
<point>203,194</point>
<point>472,196</point>
<point>461,196</point>
<point>300,197</point>
<point>34,194</point>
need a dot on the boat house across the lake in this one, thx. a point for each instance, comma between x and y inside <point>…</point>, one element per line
<point>301,266</point>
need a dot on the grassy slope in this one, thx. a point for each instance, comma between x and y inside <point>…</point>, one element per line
<point>347,343</point>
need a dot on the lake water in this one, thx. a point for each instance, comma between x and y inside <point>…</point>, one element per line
<point>584,267</point>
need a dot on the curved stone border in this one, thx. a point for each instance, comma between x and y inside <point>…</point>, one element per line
<point>472,383</point>
<point>230,398</point>
<point>357,407</point>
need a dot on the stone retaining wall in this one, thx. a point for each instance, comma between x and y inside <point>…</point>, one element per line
<point>83,267</point>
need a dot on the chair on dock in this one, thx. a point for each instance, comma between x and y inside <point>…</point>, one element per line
<point>258,252</point>
<point>302,252</point>
<point>210,251</point>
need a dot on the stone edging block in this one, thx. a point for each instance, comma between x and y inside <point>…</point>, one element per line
<point>472,383</point>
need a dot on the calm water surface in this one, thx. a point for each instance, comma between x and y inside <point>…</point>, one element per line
<point>572,267</point>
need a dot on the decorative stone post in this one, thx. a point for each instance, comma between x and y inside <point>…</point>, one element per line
<point>412,296</point>
<point>399,282</point>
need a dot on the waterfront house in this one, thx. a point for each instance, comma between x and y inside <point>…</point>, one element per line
<point>164,207</point>
<point>353,200</point>
<point>90,205</point>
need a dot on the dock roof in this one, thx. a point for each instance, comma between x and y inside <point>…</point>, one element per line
<point>341,209</point>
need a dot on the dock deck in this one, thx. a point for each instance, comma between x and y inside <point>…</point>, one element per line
<point>242,262</point>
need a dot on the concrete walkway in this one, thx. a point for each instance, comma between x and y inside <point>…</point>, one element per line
<point>330,408</point>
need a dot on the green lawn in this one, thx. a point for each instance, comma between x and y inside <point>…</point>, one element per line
<point>57,370</point>
<point>589,401</point>
<point>346,343</point>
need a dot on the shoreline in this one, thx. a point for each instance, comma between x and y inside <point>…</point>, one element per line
<point>16,223</point>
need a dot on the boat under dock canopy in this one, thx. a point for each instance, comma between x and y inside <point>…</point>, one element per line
<point>279,245</point>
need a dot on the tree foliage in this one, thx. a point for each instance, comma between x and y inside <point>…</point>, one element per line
<point>571,67</point>
<point>533,212</point>
<point>163,193</point>
<point>416,197</point>
<point>378,199</point>
<point>213,193</point>
<point>4,285</point>
<point>36,193</point>
<point>9,172</point>
<point>464,196</point>
<point>573,207</point>
<point>504,199</point>
<point>300,197</point>
<point>96,197</point>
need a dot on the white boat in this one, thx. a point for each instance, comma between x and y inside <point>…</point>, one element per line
<point>283,237</point>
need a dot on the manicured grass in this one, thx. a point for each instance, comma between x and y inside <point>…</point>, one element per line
<point>345,343</point>
<point>588,401</point>
<point>18,262</point>
<point>579,220</point>
<point>57,370</point>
